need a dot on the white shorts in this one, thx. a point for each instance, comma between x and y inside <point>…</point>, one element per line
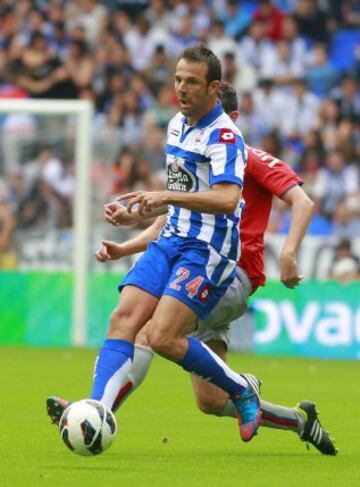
<point>230,307</point>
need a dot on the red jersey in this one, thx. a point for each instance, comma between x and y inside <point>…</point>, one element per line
<point>265,176</point>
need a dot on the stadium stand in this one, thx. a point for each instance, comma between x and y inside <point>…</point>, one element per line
<point>296,58</point>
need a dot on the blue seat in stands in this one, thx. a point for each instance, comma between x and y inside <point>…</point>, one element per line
<point>342,50</point>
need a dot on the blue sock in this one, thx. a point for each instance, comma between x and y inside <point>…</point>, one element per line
<point>205,363</point>
<point>111,369</point>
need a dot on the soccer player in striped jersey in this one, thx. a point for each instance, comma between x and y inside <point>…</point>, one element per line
<point>265,176</point>
<point>182,276</point>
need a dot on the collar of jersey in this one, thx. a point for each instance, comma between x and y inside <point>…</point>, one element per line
<point>203,122</point>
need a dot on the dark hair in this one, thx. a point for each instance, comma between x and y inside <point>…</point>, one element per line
<point>344,243</point>
<point>36,36</point>
<point>80,45</point>
<point>201,54</point>
<point>228,97</point>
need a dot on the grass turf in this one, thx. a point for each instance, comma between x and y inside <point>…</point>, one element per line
<point>162,439</point>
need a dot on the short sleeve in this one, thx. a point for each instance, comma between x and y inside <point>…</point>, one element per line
<point>272,173</point>
<point>227,154</point>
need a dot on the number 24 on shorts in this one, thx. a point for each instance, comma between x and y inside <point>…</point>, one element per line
<point>192,286</point>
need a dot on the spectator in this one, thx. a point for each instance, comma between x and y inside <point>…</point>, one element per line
<point>347,216</point>
<point>121,171</point>
<point>236,18</point>
<point>269,102</point>
<point>273,19</point>
<point>159,71</point>
<point>322,75</point>
<point>270,143</point>
<point>184,37</point>
<point>158,15</point>
<point>298,48</point>
<point>145,98</point>
<point>140,43</point>
<point>328,120</point>
<point>301,112</point>
<point>200,14</point>
<point>240,74</point>
<point>351,13</point>
<point>90,15</point>
<point>79,68</point>
<point>59,40</point>
<point>142,179</point>
<point>312,21</point>
<point>334,10</point>
<point>219,42</point>
<point>120,25</point>
<point>153,151</point>
<point>36,22</point>
<point>130,118</point>
<point>162,111</point>
<point>115,86</point>
<point>312,144</point>
<point>336,181</point>
<point>132,8</point>
<point>345,266</point>
<point>254,47</point>
<point>58,174</point>
<point>33,211</point>
<point>309,169</point>
<point>39,71</point>
<point>250,121</point>
<point>348,98</point>
<point>17,185</point>
<point>55,12</point>
<point>280,66</point>
<point>346,139</point>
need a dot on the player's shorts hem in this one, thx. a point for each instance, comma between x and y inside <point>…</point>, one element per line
<point>217,334</point>
<point>140,285</point>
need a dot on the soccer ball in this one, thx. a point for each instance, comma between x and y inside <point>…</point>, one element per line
<point>87,427</point>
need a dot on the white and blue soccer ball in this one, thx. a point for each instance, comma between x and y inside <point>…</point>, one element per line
<point>87,427</point>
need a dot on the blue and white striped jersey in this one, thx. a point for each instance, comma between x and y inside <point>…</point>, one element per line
<point>197,157</point>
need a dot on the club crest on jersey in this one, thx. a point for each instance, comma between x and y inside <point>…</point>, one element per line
<point>227,136</point>
<point>179,178</point>
<point>204,293</point>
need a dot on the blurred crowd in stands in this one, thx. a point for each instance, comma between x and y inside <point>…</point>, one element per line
<point>294,63</point>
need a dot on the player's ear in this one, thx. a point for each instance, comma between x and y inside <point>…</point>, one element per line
<point>234,115</point>
<point>214,87</point>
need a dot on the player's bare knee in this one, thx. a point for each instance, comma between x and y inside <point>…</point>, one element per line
<point>160,341</point>
<point>122,321</point>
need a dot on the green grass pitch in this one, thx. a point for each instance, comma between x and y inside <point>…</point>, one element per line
<point>162,439</point>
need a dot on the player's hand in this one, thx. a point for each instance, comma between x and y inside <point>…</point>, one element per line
<point>117,214</point>
<point>109,251</point>
<point>147,200</point>
<point>289,275</point>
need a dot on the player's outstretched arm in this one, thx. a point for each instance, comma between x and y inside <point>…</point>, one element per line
<point>301,212</point>
<point>223,198</point>
<point>113,251</point>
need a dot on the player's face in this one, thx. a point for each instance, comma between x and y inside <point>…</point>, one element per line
<point>195,96</point>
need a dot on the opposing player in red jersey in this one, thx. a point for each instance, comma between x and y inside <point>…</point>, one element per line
<point>265,176</point>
